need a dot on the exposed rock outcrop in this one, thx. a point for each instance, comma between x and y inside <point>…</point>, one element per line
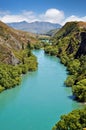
<point>12,40</point>
<point>82,48</point>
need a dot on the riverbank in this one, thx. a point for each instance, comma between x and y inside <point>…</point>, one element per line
<point>41,98</point>
<point>10,75</point>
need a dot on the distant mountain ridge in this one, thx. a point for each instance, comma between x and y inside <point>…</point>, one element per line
<point>35,27</point>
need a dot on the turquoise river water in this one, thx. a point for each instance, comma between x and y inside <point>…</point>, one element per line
<point>40,100</point>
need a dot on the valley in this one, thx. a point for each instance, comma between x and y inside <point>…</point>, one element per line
<point>50,81</point>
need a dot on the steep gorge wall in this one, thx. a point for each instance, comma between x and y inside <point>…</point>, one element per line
<point>82,47</point>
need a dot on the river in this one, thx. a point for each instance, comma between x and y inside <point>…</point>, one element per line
<point>40,100</point>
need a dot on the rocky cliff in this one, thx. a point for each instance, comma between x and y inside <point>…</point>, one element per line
<point>71,39</point>
<point>12,40</point>
<point>82,47</point>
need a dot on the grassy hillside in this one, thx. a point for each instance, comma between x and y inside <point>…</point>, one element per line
<point>15,55</point>
<point>52,32</point>
<point>69,43</point>
<point>11,39</point>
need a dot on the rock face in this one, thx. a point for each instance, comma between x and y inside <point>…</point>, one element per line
<point>12,40</point>
<point>11,59</point>
<point>82,48</point>
<point>71,39</point>
<point>70,48</point>
<point>7,56</point>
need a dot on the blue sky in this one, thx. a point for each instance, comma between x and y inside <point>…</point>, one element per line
<point>55,11</point>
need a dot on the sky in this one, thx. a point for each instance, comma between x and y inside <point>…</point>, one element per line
<point>54,11</point>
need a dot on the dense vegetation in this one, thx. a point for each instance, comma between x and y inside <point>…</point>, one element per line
<point>15,55</point>
<point>13,40</point>
<point>75,120</point>
<point>10,75</point>
<point>69,43</point>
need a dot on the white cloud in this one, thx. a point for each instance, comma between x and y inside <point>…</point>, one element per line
<point>11,18</point>
<point>51,15</point>
<point>74,18</point>
<point>28,16</point>
<point>2,13</point>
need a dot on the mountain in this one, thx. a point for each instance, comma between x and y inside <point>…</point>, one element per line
<point>52,32</point>
<point>35,27</point>
<point>15,56</point>
<point>70,39</point>
<point>12,40</point>
<point>69,43</point>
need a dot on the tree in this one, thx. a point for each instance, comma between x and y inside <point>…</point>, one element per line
<point>70,81</point>
<point>79,90</point>
<point>75,120</point>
